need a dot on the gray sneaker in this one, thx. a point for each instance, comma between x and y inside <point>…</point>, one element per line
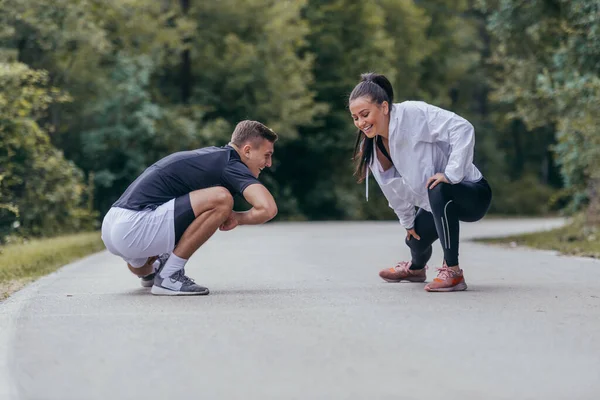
<point>177,285</point>
<point>148,280</point>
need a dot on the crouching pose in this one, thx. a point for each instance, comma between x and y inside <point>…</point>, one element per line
<point>421,156</point>
<point>180,201</point>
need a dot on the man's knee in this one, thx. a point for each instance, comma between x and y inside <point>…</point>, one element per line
<point>223,201</point>
<point>210,199</point>
<point>223,198</point>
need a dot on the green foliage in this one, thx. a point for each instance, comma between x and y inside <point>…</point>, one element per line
<point>40,191</point>
<point>524,196</point>
<point>147,78</point>
<point>549,53</point>
<point>346,38</point>
<point>122,123</point>
<point>248,63</point>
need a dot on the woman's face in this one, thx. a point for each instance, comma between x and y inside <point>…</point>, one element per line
<point>368,116</point>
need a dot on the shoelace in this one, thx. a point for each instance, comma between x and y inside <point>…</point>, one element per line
<point>406,265</point>
<point>445,273</point>
<point>187,279</point>
<point>180,276</point>
<point>402,265</point>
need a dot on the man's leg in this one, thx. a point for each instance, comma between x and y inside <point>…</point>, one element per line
<point>145,269</point>
<point>211,208</point>
<point>147,272</point>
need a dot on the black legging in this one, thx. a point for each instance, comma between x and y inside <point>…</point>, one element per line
<point>465,201</point>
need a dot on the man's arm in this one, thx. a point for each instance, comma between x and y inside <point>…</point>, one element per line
<point>263,206</point>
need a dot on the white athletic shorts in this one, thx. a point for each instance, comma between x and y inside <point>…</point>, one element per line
<point>137,235</point>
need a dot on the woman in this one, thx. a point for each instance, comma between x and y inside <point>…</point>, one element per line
<point>422,156</point>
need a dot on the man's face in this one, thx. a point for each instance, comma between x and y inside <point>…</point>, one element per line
<point>257,155</point>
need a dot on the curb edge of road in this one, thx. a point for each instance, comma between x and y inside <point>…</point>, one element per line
<point>10,310</point>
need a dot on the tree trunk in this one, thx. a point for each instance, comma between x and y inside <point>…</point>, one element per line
<point>186,63</point>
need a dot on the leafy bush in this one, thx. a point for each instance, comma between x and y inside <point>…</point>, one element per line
<point>41,193</point>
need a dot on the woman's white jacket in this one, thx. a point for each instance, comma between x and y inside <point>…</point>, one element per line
<point>423,140</point>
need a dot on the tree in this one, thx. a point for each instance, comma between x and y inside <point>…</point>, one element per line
<point>550,60</point>
<point>41,193</point>
<point>348,38</point>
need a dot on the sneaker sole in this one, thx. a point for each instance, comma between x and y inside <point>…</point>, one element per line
<point>147,284</point>
<point>159,291</point>
<point>460,287</point>
<point>419,280</point>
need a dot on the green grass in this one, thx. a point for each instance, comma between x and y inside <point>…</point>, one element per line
<point>21,263</point>
<point>574,239</point>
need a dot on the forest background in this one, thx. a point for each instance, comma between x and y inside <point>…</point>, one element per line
<point>92,92</point>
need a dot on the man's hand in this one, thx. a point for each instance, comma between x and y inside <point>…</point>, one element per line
<point>230,223</point>
<point>413,233</point>
<point>434,180</point>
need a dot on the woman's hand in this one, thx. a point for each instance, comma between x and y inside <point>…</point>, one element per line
<point>434,180</point>
<point>411,232</point>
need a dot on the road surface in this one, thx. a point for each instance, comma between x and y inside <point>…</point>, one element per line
<point>297,311</point>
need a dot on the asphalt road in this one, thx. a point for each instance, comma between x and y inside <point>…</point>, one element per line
<point>297,311</point>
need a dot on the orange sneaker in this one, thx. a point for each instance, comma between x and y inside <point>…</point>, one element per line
<point>402,272</point>
<point>447,281</point>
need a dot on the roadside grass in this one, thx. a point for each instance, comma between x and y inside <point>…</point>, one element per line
<point>23,262</point>
<point>574,239</point>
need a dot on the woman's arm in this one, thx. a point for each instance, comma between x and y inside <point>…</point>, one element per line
<point>462,144</point>
<point>445,126</point>
<point>403,209</point>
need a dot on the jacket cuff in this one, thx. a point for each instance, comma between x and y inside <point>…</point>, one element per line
<point>407,221</point>
<point>448,178</point>
<point>453,181</point>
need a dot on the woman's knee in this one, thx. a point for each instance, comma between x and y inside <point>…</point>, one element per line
<point>440,193</point>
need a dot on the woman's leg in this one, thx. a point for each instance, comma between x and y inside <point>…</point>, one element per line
<point>420,250</point>
<point>465,201</point>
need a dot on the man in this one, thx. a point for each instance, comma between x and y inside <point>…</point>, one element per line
<point>179,202</point>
